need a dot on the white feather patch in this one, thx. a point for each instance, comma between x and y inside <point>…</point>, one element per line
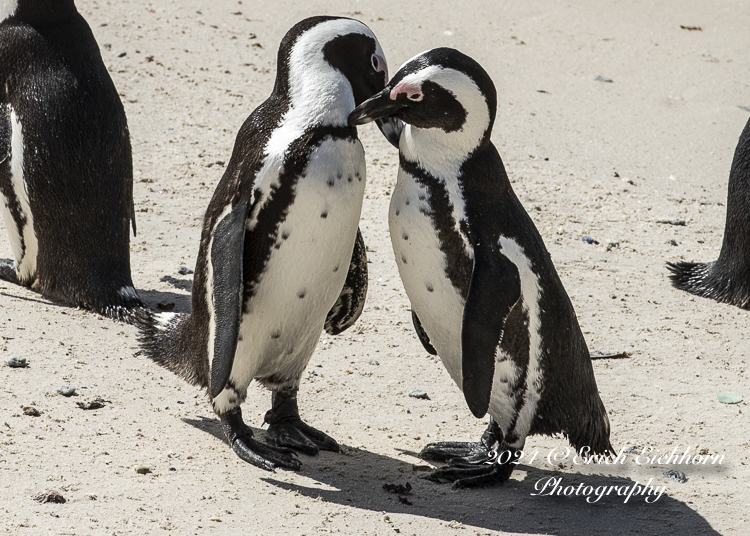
<point>25,260</point>
<point>164,320</point>
<point>7,9</point>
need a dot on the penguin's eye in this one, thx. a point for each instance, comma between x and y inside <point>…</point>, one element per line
<point>375,62</point>
<point>415,97</point>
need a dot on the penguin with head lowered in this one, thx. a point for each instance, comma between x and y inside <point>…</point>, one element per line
<point>281,257</point>
<point>727,279</point>
<point>485,295</point>
<point>66,172</point>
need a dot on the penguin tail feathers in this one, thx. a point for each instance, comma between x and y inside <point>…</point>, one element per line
<point>163,339</point>
<point>592,436</point>
<point>711,280</point>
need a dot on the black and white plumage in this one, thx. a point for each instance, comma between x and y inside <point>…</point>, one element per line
<point>281,257</point>
<point>66,172</point>
<point>485,295</point>
<point>726,279</point>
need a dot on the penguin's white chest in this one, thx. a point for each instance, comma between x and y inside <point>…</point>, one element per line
<point>307,266</point>
<point>422,266</point>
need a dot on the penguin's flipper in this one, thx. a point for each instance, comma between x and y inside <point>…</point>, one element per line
<point>226,255</point>
<point>494,289</point>
<point>423,338</point>
<point>351,301</point>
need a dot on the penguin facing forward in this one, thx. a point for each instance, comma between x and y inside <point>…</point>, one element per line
<point>485,295</point>
<point>727,279</point>
<point>66,171</point>
<point>281,257</point>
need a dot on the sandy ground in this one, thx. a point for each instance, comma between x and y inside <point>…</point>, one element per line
<point>586,157</point>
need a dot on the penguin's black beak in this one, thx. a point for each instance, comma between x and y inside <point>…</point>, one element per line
<point>379,108</point>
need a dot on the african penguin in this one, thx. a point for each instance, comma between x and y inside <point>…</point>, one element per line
<point>66,171</point>
<point>281,257</point>
<point>485,295</point>
<point>728,278</point>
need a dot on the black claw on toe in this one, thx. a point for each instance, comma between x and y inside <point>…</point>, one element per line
<point>287,429</point>
<point>267,457</point>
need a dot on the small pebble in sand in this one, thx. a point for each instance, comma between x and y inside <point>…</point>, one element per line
<point>66,390</point>
<point>373,362</point>
<point>184,270</point>
<point>402,489</point>
<point>633,449</point>
<point>600,78</point>
<point>31,411</point>
<point>589,240</point>
<point>97,403</point>
<point>49,496</point>
<point>611,244</point>
<point>729,398</point>
<point>672,221</point>
<point>416,393</point>
<point>16,362</point>
<point>672,242</point>
<point>677,476</point>
<point>142,470</point>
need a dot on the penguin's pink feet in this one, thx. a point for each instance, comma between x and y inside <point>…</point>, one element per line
<point>267,457</point>
<point>287,429</point>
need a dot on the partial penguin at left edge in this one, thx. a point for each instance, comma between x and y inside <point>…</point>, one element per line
<point>66,170</point>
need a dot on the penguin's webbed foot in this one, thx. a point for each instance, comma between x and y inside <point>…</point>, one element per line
<point>287,429</point>
<point>267,457</point>
<point>487,462</point>
<point>472,475</point>
<point>8,271</point>
<point>446,451</point>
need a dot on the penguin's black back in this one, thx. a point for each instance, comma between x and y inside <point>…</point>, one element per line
<point>727,279</point>
<point>79,178</point>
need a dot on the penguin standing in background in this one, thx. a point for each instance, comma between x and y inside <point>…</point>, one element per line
<point>728,278</point>
<point>281,257</point>
<point>66,171</point>
<point>485,295</point>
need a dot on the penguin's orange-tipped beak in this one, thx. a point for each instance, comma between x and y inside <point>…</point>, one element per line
<point>380,108</point>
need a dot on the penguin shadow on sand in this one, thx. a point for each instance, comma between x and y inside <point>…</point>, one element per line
<point>174,302</point>
<point>355,477</point>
